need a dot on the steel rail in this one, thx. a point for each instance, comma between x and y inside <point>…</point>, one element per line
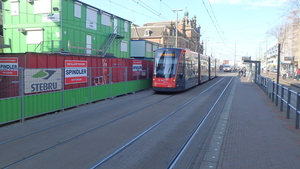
<point>80,135</point>
<point>76,119</point>
<point>186,144</point>
<point>151,127</point>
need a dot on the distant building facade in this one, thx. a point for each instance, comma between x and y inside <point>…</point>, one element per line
<point>188,33</point>
<point>272,57</point>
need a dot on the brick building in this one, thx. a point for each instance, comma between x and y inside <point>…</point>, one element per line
<point>165,33</point>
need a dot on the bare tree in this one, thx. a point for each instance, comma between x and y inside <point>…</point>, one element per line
<point>294,3</point>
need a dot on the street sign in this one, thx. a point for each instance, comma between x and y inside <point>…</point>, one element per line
<point>246,58</point>
<point>289,58</point>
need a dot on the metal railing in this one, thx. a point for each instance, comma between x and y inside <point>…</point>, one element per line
<point>82,48</point>
<point>283,96</point>
<point>57,46</point>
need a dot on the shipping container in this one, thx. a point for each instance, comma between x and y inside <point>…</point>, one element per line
<point>97,71</point>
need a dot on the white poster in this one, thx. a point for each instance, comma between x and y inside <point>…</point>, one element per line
<point>53,17</point>
<point>42,80</point>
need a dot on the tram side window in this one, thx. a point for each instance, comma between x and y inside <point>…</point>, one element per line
<point>181,69</point>
<point>189,68</point>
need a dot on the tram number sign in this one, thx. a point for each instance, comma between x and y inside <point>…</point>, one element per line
<point>167,54</point>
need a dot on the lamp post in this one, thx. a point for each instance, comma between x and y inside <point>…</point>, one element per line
<point>176,10</point>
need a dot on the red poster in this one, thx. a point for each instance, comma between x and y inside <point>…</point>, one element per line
<point>9,66</point>
<point>75,71</point>
<point>137,67</point>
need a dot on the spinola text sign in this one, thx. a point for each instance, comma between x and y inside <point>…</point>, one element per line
<point>9,66</point>
<point>75,71</point>
<point>137,67</point>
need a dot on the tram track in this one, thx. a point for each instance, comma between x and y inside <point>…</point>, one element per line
<point>89,131</point>
<point>73,120</point>
<point>183,147</point>
<point>76,136</point>
<point>193,135</point>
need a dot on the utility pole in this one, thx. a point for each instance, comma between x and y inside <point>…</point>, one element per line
<point>278,65</point>
<point>234,62</point>
<point>176,10</point>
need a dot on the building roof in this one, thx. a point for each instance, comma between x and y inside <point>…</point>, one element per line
<point>162,23</point>
<point>155,31</point>
<point>100,10</point>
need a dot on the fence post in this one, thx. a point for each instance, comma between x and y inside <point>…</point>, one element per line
<point>110,81</point>
<point>138,80</point>
<point>277,89</point>
<point>297,111</point>
<point>63,88</point>
<point>288,104</point>
<point>90,83</point>
<point>266,86</point>
<point>282,98</point>
<point>21,90</point>
<point>125,79</point>
<point>273,90</point>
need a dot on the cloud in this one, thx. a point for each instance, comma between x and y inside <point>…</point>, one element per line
<point>269,3</point>
<point>226,1</point>
<point>250,2</point>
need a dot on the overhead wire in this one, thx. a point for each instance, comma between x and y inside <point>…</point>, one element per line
<point>215,25</point>
<point>141,3</point>
<point>132,10</point>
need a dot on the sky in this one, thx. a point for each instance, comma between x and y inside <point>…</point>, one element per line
<point>230,29</point>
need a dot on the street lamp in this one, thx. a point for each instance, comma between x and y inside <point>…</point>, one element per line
<point>176,10</point>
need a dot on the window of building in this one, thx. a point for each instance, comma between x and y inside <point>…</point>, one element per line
<point>124,46</point>
<point>148,47</point>
<point>14,7</point>
<point>105,19</point>
<point>34,36</point>
<point>77,9</point>
<point>91,18</point>
<point>148,32</point>
<point>91,14</point>
<point>126,26</point>
<point>42,6</point>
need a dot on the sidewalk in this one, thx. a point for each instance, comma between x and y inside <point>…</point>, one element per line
<point>257,135</point>
<point>287,81</point>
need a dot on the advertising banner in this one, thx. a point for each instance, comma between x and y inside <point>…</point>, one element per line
<point>137,67</point>
<point>75,71</point>
<point>42,80</point>
<point>9,66</point>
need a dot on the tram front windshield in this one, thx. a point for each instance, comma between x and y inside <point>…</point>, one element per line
<point>165,62</point>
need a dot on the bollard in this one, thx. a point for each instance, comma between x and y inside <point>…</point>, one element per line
<point>282,98</point>
<point>288,104</point>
